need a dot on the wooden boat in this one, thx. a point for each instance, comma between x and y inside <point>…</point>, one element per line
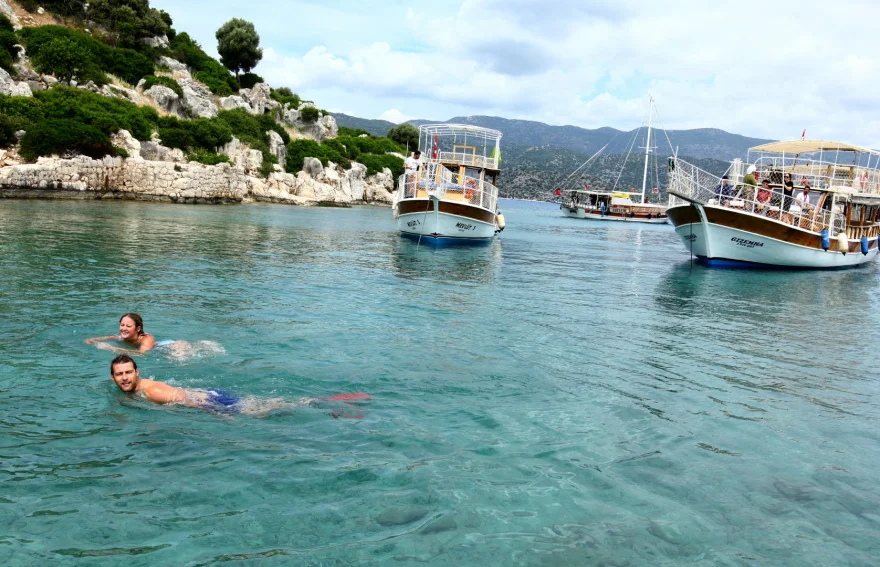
<point>453,197</point>
<point>625,206</point>
<point>836,225</point>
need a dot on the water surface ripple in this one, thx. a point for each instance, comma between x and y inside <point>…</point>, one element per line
<point>575,393</point>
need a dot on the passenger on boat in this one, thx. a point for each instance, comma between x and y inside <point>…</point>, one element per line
<point>747,189</point>
<point>787,197</point>
<point>803,200</point>
<point>131,332</point>
<point>724,189</point>
<point>763,197</point>
<point>412,165</point>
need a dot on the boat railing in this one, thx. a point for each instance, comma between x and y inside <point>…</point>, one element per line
<point>850,178</point>
<point>434,180</point>
<point>467,159</point>
<point>690,184</point>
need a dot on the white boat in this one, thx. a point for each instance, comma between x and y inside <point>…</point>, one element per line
<point>623,206</point>
<point>453,197</point>
<point>836,226</point>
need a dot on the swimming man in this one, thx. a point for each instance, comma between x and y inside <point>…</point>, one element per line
<point>124,373</point>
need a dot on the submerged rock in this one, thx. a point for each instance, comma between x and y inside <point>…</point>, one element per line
<point>400,515</point>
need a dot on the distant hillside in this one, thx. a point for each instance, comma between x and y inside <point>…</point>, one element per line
<point>537,158</point>
<point>698,143</point>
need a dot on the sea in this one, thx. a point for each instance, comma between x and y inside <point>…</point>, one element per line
<point>573,393</point>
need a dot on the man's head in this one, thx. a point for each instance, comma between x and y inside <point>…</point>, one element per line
<point>725,180</point>
<point>124,373</point>
<point>765,184</point>
<point>417,154</point>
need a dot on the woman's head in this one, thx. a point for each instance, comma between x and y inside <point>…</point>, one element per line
<point>788,177</point>
<point>131,326</point>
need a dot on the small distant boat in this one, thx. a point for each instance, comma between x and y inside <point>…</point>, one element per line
<point>626,206</point>
<point>836,224</point>
<point>453,198</point>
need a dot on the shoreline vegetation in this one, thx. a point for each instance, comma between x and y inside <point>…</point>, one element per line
<point>106,99</point>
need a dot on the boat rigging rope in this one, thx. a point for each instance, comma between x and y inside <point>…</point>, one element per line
<point>628,152</point>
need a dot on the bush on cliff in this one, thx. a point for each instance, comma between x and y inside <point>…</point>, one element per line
<point>108,115</point>
<point>248,80</point>
<point>153,80</point>
<point>90,57</point>
<point>8,41</point>
<point>285,95</point>
<point>309,114</point>
<point>189,135</point>
<point>298,150</point>
<point>28,109</point>
<point>376,163</point>
<point>62,137</point>
<point>207,157</point>
<point>207,70</point>
<point>8,127</point>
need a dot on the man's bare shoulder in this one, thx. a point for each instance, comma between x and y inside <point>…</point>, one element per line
<point>161,392</point>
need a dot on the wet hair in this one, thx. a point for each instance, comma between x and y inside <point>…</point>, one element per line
<point>138,322</point>
<point>122,359</point>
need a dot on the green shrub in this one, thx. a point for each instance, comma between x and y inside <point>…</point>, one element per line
<point>108,115</point>
<point>375,163</point>
<point>61,7</point>
<point>202,133</point>
<point>179,138</point>
<point>372,145</point>
<point>153,80</point>
<point>207,157</point>
<point>353,132</point>
<point>87,56</point>
<point>63,136</point>
<point>28,109</point>
<point>8,40</point>
<point>268,166</point>
<point>252,129</point>
<point>248,80</point>
<point>285,95</point>
<point>8,126</point>
<point>406,135</point>
<point>309,114</point>
<point>298,150</point>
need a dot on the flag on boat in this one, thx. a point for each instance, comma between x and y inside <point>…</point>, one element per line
<point>804,134</point>
<point>558,192</point>
<point>586,187</point>
<point>435,150</point>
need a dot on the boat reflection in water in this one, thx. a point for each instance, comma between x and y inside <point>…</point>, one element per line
<point>468,264</point>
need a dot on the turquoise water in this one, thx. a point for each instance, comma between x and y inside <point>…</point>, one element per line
<point>573,394</point>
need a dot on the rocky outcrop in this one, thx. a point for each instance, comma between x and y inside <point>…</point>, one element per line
<point>123,139</point>
<point>153,150</point>
<point>324,127</point>
<point>277,147</point>
<point>9,86</point>
<point>118,178</point>
<point>178,70</point>
<point>160,41</point>
<point>197,99</point>
<point>232,102</point>
<point>7,11</point>
<point>242,156</point>
<point>322,185</point>
<point>165,98</point>
<point>256,100</point>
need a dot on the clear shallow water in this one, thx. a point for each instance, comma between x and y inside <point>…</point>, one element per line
<point>573,394</point>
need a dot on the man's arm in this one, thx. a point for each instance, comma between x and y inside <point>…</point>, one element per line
<point>162,393</point>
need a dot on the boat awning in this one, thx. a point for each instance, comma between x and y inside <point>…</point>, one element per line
<point>807,146</point>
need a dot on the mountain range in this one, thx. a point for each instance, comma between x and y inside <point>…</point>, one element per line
<point>538,157</point>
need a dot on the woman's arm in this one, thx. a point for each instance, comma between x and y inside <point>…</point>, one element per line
<point>98,339</point>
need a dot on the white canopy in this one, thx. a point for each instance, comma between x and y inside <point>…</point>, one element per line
<point>807,146</point>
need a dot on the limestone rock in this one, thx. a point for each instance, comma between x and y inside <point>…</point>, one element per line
<point>329,124</point>
<point>234,101</point>
<point>123,139</point>
<point>240,155</point>
<point>40,10</point>
<point>178,69</point>
<point>7,11</point>
<point>160,41</point>
<point>10,87</point>
<point>155,151</point>
<point>25,73</point>
<point>197,99</point>
<point>167,99</point>
<point>379,187</point>
<point>277,147</point>
<point>313,168</point>
<point>48,80</point>
<point>258,98</point>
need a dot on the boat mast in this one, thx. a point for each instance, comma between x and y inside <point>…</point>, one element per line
<point>647,149</point>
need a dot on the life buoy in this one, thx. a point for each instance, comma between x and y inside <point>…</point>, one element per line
<point>470,187</point>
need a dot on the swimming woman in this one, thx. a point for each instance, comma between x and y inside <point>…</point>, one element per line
<point>125,374</point>
<point>131,332</point>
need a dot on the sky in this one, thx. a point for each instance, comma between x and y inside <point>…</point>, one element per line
<point>757,68</point>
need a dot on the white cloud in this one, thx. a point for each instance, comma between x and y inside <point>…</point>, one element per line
<point>394,115</point>
<point>757,68</point>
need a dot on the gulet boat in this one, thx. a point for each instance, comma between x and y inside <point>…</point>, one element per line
<point>453,198</point>
<point>834,224</point>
